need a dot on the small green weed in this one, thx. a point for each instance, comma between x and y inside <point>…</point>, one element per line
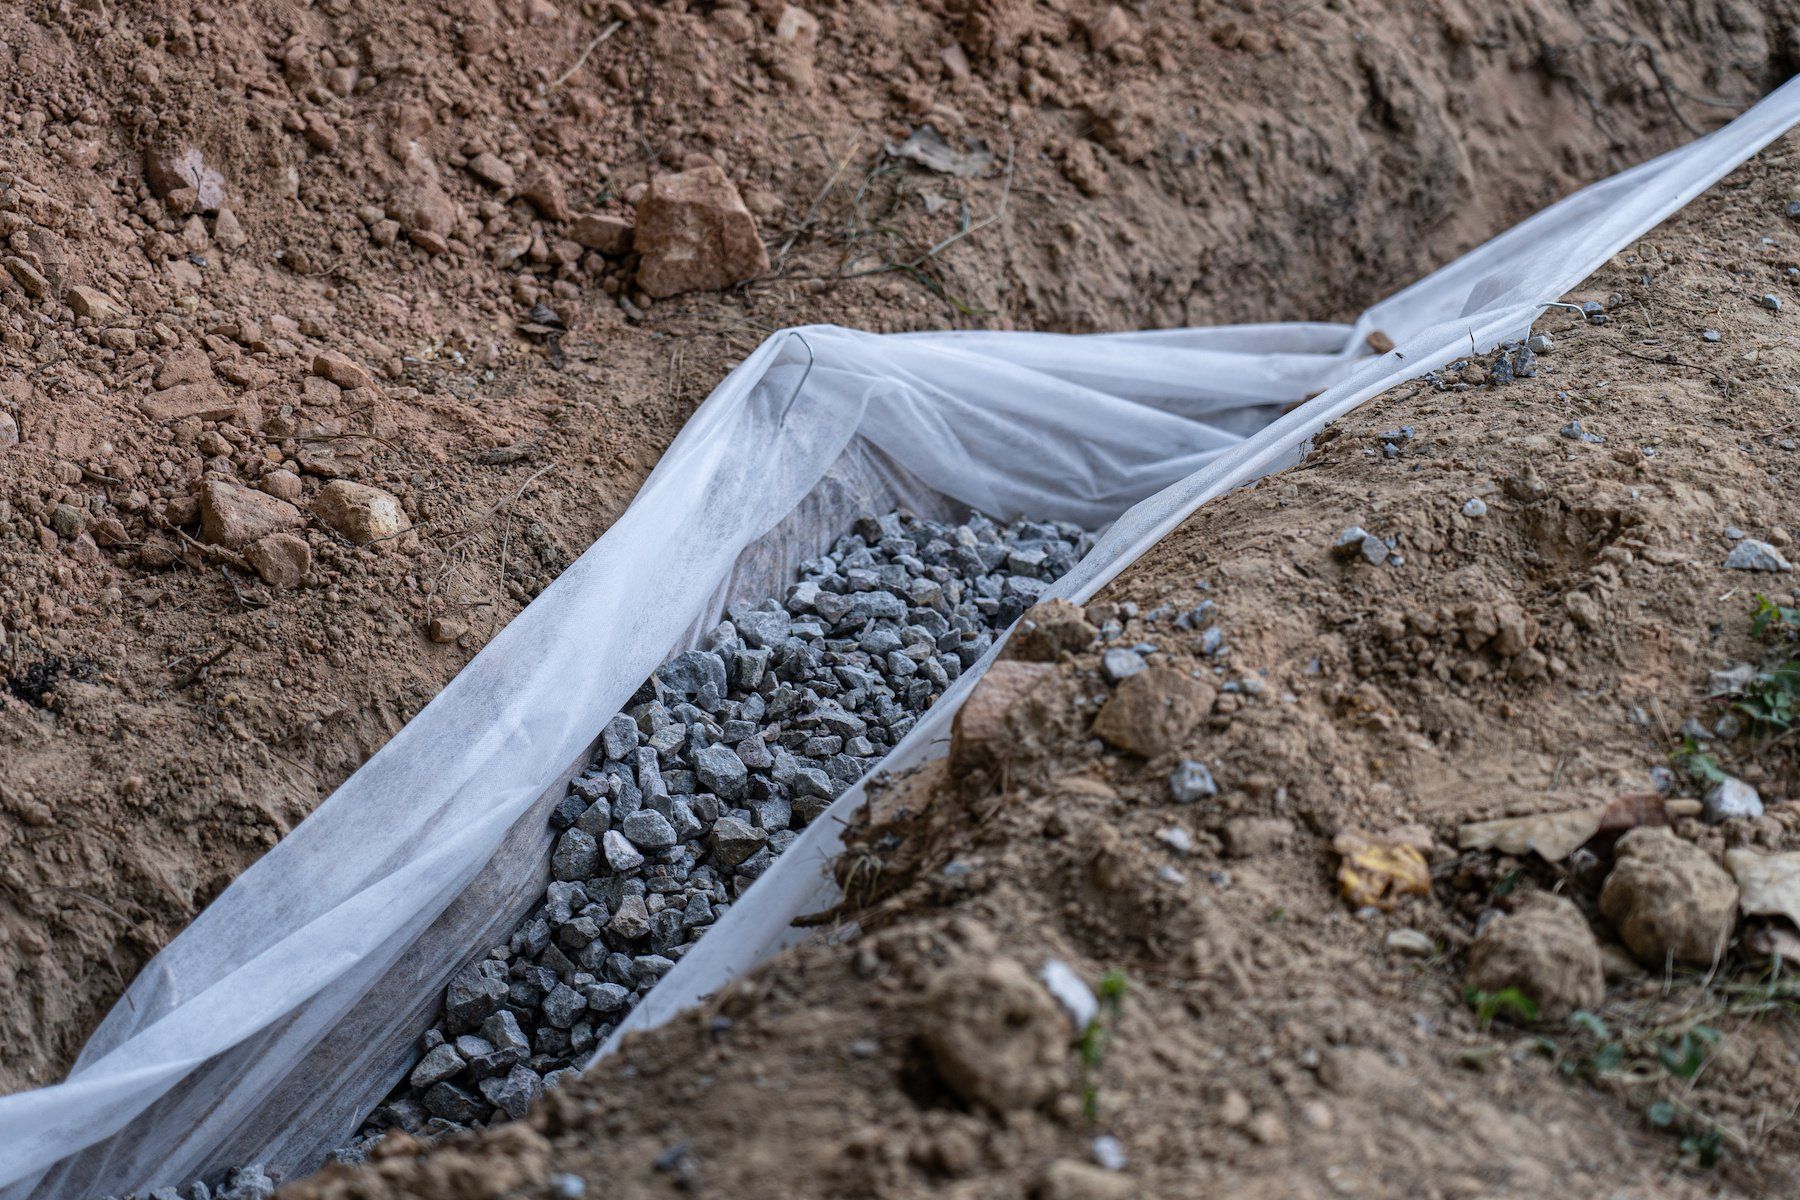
<point>1509,1002</point>
<point>1098,1036</point>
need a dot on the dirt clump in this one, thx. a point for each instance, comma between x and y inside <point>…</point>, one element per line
<point>995,1035</point>
<point>1546,951</point>
<point>1668,899</point>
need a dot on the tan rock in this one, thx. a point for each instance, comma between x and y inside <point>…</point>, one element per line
<point>282,559</point>
<point>984,731</point>
<point>235,516</point>
<point>283,485</point>
<point>1546,951</point>
<point>604,232</point>
<point>339,369</point>
<point>1150,713</point>
<point>186,366</point>
<point>207,401</point>
<point>694,234</point>
<point>1668,899</point>
<point>995,1035</point>
<point>492,170</point>
<point>227,231</point>
<point>28,277</point>
<point>172,168</point>
<point>361,513</point>
<point>1048,630</point>
<point>796,26</point>
<point>9,430</point>
<point>92,302</point>
<point>544,191</point>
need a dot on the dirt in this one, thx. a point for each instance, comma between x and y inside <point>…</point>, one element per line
<point>1259,1035</point>
<point>272,245</point>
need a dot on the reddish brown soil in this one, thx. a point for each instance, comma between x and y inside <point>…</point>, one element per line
<point>167,716</point>
<point>1271,1042</point>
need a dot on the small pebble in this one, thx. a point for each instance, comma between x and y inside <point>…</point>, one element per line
<point>1475,506</point>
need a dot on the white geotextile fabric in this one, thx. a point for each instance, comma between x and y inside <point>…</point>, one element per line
<point>264,1030</point>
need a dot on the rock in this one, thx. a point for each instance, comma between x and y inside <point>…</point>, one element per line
<point>632,921</point>
<point>694,234</point>
<point>281,559</point>
<point>1119,664</point>
<point>1475,507</point>
<point>619,738</point>
<point>1150,713</point>
<point>984,731</point>
<point>475,993</point>
<point>442,1063</point>
<point>28,277</point>
<point>9,430</point>
<point>649,829</point>
<point>721,771</point>
<point>1191,781</point>
<point>1546,951</point>
<point>453,1103</point>
<point>67,521</point>
<point>233,516</point>
<point>515,1093</point>
<point>692,672</point>
<point>91,302</point>
<point>995,1036</point>
<point>610,235</point>
<point>563,1005</point>
<point>363,514</point>
<point>1668,899</point>
<point>249,1183</point>
<point>577,856</point>
<point>1048,630</point>
<point>621,855</point>
<point>1752,555</point>
<point>1731,799</point>
<point>1071,991</point>
<point>169,169</point>
<point>492,170</point>
<point>1357,542</point>
<point>1410,942</point>
<point>734,840</point>
<point>228,232</point>
<point>544,192</point>
<point>1071,1179</point>
<point>1770,301</point>
<point>339,369</point>
<point>282,484</point>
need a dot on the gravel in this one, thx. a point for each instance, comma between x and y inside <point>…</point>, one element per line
<point>1753,555</point>
<point>720,759</point>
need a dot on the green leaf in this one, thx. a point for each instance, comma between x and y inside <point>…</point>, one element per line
<point>1509,1001</point>
<point>1683,1059</point>
<point>1584,1020</point>
<point>1661,1115</point>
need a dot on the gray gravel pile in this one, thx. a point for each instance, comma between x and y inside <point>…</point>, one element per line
<point>723,756</point>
